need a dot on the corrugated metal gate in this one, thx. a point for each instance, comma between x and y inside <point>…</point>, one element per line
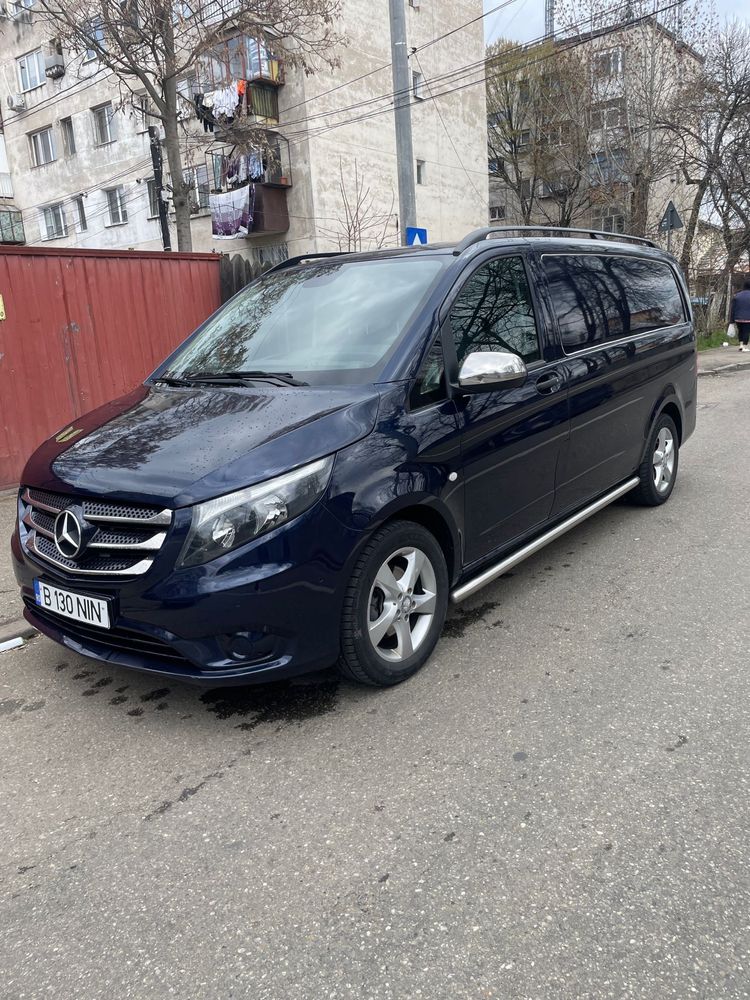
<point>84,326</point>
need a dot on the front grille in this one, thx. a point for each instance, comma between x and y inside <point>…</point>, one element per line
<point>123,639</point>
<point>121,539</point>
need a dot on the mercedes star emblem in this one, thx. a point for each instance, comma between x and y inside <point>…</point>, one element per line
<point>68,534</point>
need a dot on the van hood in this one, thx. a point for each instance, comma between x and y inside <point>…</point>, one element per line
<point>179,446</point>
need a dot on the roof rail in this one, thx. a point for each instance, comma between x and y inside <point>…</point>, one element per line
<point>479,235</point>
<point>292,261</point>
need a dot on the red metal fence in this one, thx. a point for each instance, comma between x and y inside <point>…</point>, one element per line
<point>84,326</point>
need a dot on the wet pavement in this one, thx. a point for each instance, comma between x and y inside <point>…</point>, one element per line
<point>558,806</point>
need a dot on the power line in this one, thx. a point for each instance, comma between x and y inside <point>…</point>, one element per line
<point>445,128</point>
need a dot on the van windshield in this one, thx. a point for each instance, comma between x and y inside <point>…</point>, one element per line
<point>328,322</point>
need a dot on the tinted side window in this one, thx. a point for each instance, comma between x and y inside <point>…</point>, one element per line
<point>430,384</point>
<point>606,298</point>
<point>493,312</point>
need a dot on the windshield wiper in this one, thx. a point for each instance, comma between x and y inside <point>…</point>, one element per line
<point>285,378</point>
<point>171,380</point>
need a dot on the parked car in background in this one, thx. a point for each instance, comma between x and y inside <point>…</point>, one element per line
<point>349,443</point>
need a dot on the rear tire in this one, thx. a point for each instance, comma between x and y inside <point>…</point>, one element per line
<point>658,470</point>
<point>395,606</point>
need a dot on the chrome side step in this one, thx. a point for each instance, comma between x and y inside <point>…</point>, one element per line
<point>488,575</point>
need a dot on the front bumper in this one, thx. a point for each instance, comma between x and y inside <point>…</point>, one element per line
<point>271,609</point>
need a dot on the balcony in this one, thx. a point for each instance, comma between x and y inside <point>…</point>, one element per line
<point>268,169</point>
<point>239,58</point>
<point>11,226</point>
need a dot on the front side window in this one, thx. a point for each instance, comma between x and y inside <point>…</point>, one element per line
<point>53,222</point>
<point>30,70</point>
<point>116,206</point>
<point>96,33</point>
<point>493,312</point>
<point>42,147</point>
<point>600,299</point>
<point>104,124</point>
<point>327,322</point>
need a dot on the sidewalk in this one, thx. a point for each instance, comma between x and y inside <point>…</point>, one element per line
<point>722,359</point>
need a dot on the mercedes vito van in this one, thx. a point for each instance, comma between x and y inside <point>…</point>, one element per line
<point>350,443</point>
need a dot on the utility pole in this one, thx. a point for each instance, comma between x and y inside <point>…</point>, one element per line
<point>407,200</point>
<point>156,160</point>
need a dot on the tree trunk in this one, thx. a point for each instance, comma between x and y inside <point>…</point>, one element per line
<point>639,205</point>
<point>692,225</point>
<point>180,189</point>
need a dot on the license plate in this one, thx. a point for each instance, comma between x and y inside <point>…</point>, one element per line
<point>79,607</point>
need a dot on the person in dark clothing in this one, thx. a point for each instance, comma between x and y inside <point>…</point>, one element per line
<point>741,315</point>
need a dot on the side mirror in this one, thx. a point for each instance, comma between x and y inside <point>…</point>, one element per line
<point>485,370</point>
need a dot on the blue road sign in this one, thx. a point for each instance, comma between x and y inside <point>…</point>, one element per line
<point>415,236</point>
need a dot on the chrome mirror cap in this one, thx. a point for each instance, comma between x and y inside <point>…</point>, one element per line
<point>488,368</point>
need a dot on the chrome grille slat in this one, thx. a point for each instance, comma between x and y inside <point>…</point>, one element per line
<point>124,543</point>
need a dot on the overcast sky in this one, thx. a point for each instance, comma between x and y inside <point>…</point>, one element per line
<point>524,19</point>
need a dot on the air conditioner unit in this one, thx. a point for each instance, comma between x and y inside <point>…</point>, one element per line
<point>54,66</point>
<point>16,102</point>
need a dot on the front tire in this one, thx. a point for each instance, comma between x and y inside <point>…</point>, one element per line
<point>395,606</point>
<point>658,470</point>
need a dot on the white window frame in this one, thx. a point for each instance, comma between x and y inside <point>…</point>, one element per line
<point>23,63</point>
<point>420,173</point>
<point>524,138</point>
<point>497,213</point>
<point>143,107</point>
<point>35,144</point>
<point>97,32</point>
<point>81,222</point>
<point>117,202</point>
<point>153,199</point>
<point>417,85</point>
<point>109,117</point>
<point>56,208</point>
<point>68,134</point>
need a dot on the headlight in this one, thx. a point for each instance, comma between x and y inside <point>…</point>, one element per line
<point>230,521</point>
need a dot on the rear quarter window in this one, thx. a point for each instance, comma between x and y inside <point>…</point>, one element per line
<point>597,299</point>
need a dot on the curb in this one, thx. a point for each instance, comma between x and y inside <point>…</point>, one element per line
<point>732,366</point>
<point>19,629</point>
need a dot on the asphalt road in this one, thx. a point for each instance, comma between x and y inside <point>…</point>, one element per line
<point>557,807</point>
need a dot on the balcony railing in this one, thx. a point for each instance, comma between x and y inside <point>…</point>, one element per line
<point>239,58</point>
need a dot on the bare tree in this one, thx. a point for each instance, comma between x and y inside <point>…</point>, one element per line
<point>365,223</point>
<point>716,142</point>
<point>151,44</point>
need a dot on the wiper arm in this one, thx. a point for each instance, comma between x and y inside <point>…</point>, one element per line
<point>171,380</point>
<point>285,378</point>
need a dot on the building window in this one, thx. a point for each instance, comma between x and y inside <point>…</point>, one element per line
<point>496,165</point>
<point>153,200</point>
<point>421,172</point>
<point>417,86</point>
<point>104,124</point>
<point>142,105</point>
<point>42,147</point>
<point>497,213</point>
<point>610,115</point>
<point>53,222</point>
<point>526,189</point>
<point>197,180</point>
<point>524,138</point>
<point>79,214</point>
<point>608,167</point>
<point>19,5</point>
<point>31,70</point>
<point>96,33</point>
<point>68,136</point>
<point>608,64</point>
<point>118,215</point>
<point>609,220</point>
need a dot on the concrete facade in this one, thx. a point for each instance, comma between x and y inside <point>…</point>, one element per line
<point>331,129</point>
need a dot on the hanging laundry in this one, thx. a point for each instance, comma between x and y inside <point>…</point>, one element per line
<point>232,213</point>
<point>225,101</point>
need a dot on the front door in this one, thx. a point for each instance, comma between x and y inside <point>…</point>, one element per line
<point>511,438</point>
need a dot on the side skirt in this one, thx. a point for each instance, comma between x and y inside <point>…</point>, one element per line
<point>493,572</point>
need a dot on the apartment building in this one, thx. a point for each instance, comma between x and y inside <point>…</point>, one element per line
<point>78,152</point>
<point>577,142</point>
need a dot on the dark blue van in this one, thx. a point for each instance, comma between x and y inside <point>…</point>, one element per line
<point>351,442</point>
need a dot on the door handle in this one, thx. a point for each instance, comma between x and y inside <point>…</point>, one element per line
<point>548,383</point>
